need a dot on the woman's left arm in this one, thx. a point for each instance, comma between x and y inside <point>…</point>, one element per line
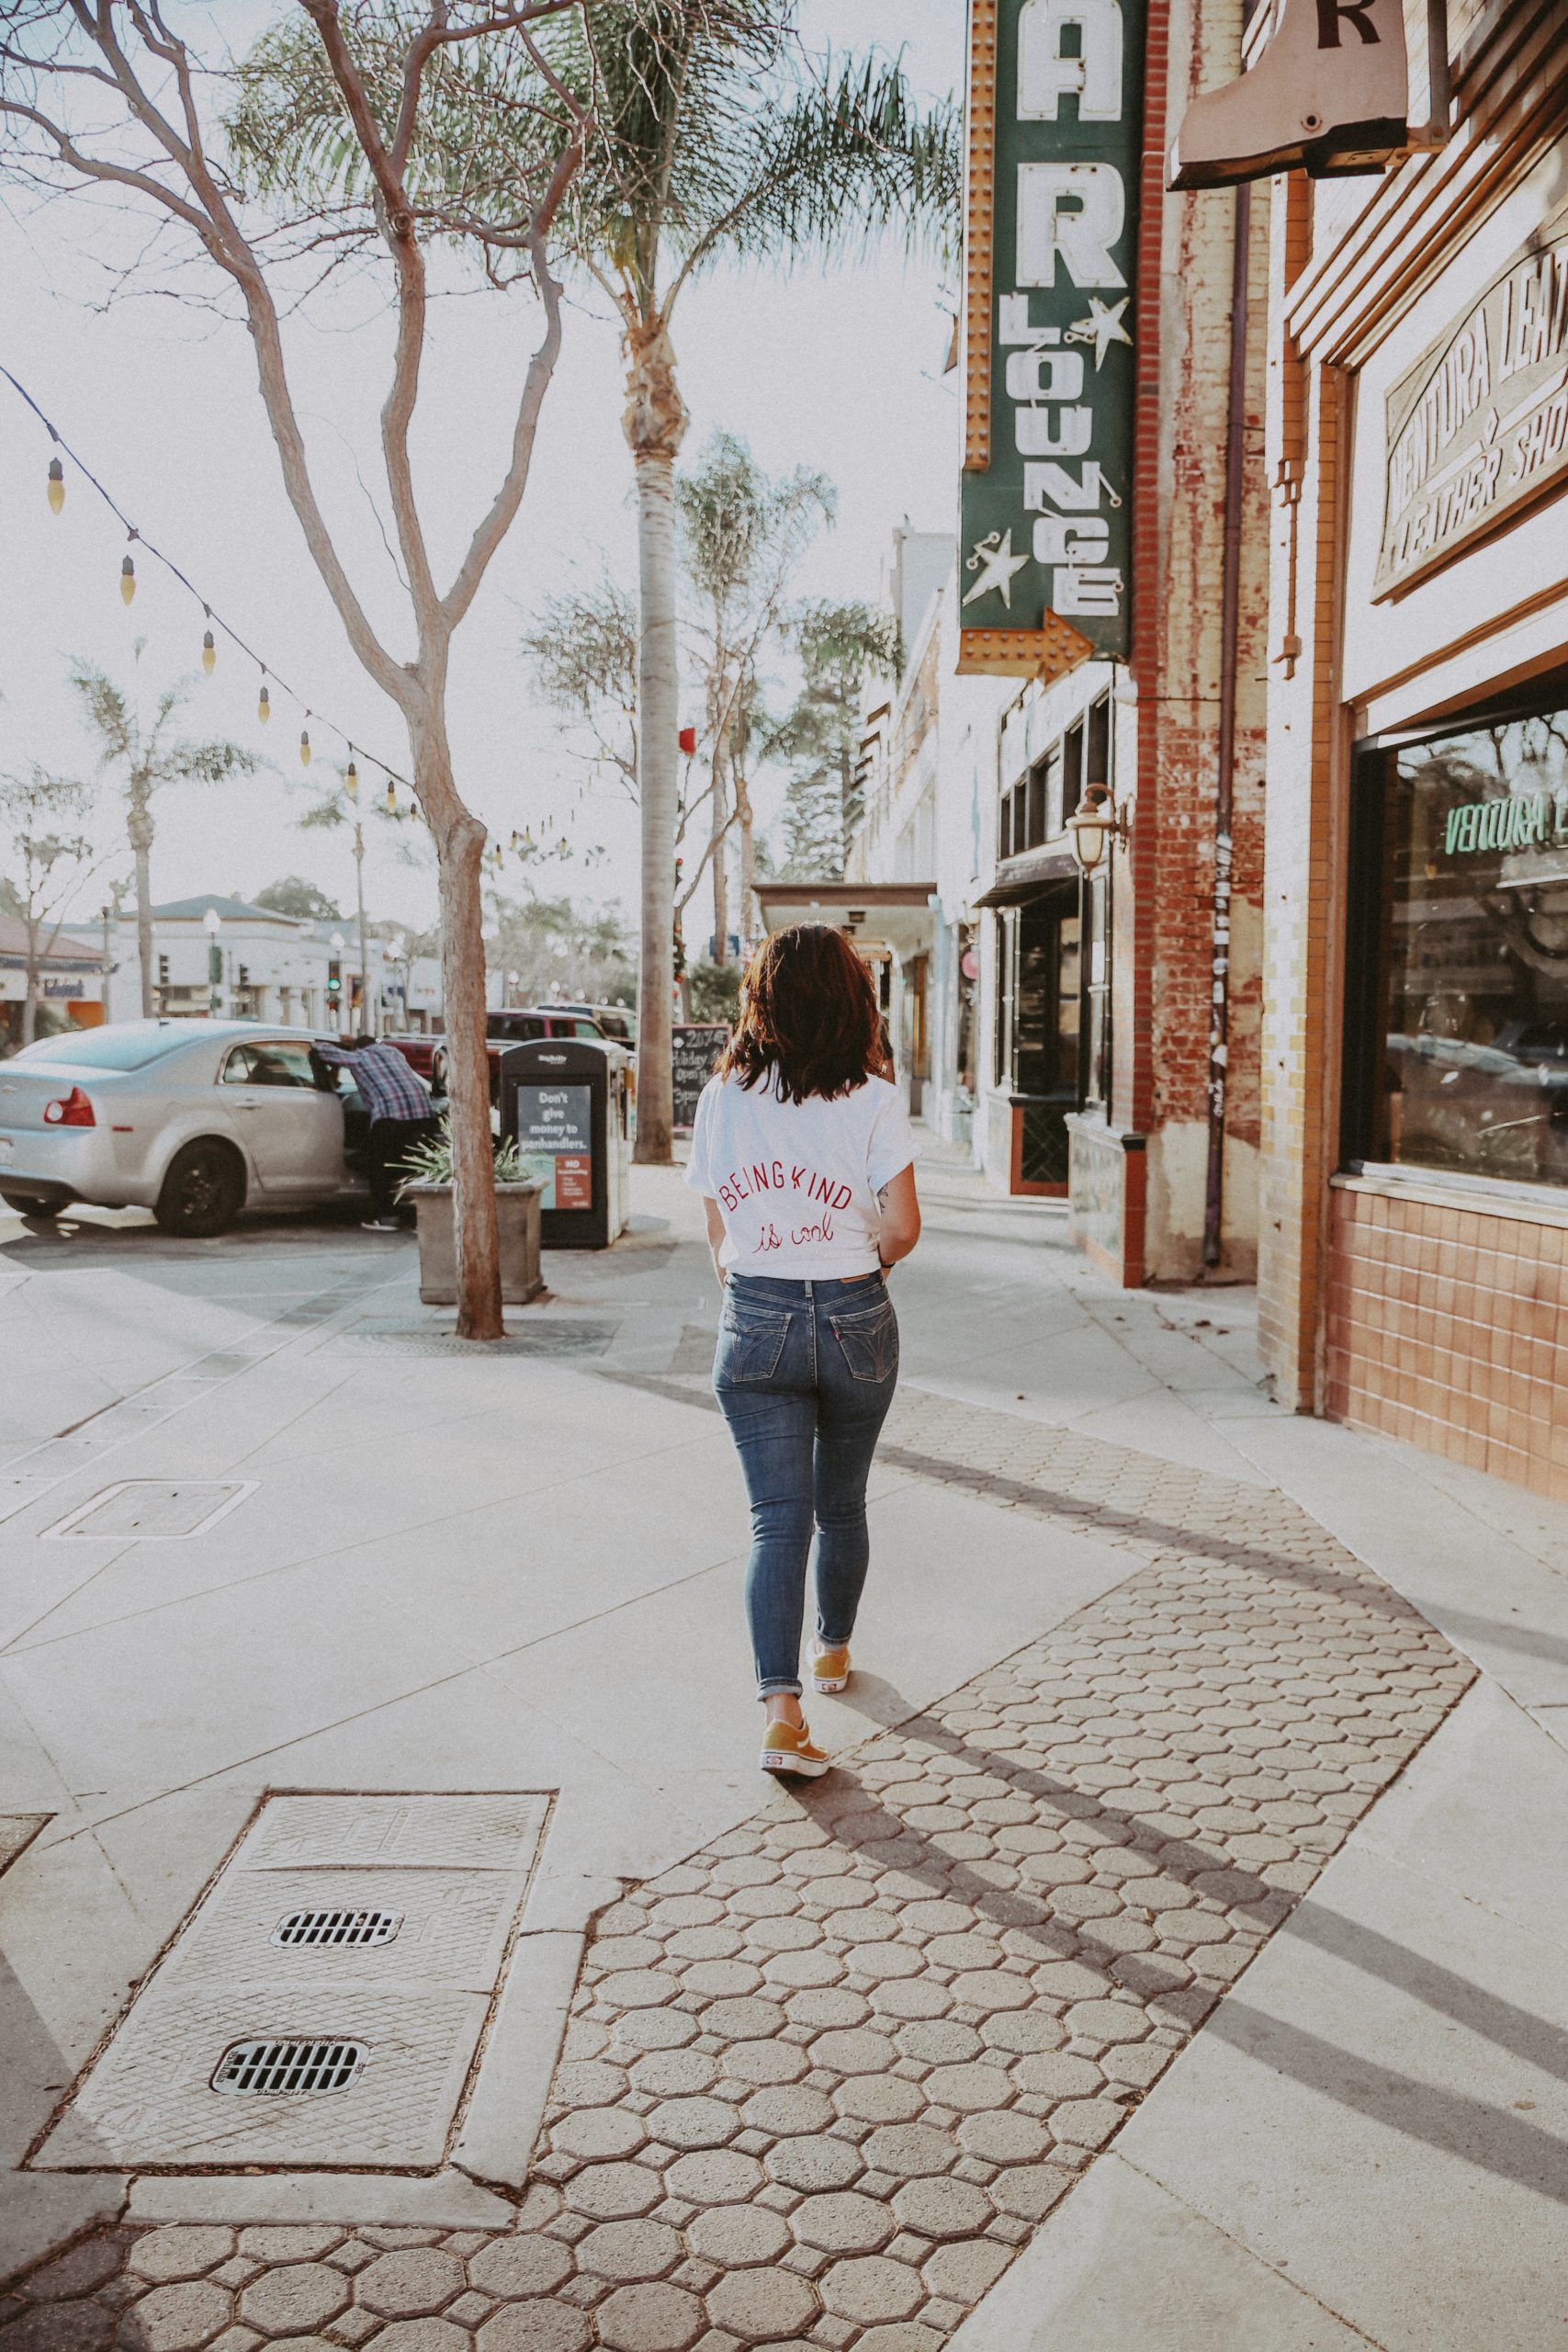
<point>900,1226</point>
<point>715,1237</point>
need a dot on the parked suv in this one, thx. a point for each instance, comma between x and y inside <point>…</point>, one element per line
<point>511,1026</point>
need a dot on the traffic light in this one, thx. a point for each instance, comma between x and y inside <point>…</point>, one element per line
<point>334,985</point>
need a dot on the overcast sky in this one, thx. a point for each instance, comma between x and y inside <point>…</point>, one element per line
<point>840,371</point>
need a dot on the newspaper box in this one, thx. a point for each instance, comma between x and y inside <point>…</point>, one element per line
<point>565,1101</point>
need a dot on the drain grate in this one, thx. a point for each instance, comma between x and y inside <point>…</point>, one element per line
<point>337,1927</point>
<point>344,1924</point>
<point>290,2068</point>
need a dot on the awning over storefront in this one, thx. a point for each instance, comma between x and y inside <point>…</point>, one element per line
<point>1022,878</point>
<point>897,915</point>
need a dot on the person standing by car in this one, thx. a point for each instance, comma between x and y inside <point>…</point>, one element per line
<point>396,1104</point>
<point>804,1157</point>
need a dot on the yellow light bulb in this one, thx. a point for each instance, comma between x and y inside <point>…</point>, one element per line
<point>127,580</point>
<point>391,797</point>
<point>351,781</point>
<point>563,847</point>
<point>264,706</point>
<point>209,652</point>
<point>56,485</point>
<point>304,748</point>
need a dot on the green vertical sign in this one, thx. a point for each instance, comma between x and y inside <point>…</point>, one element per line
<point>1046,525</point>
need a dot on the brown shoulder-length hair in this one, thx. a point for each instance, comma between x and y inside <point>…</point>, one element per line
<point>808,1016</point>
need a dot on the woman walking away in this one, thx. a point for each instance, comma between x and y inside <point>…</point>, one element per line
<point>805,1164</point>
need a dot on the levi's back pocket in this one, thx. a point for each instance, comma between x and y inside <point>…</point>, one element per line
<point>750,1343</point>
<point>868,1340</point>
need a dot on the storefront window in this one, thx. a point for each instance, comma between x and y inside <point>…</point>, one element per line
<point>1097,995</point>
<point>1475,1029</point>
<point>968,991</point>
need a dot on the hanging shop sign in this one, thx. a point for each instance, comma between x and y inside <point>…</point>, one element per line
<point>1328,93</point>
<point>1479,427</point>
<point>1054,121</point>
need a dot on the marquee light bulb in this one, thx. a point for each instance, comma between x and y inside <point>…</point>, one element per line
<point>209,652</point>
<point>391,797</point>
<point>351,781</point>
<point>263,705</point>
<point>56,485</point>
<point>304,748</point>
<point>127,580</point>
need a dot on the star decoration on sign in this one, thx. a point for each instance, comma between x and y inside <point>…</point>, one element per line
<point>994,563</point>
<point>1102,328</point>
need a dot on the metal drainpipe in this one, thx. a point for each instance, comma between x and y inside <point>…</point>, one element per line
<point>1229,630</point>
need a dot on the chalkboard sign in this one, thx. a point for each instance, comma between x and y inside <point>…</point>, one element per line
<point>694,1050</point>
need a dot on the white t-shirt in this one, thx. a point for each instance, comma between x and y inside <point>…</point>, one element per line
<point>797,1182</point>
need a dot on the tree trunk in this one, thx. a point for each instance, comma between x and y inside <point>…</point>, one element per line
<point>655,423</point>
<point>30,985</point>
<point>459,846</point>
<point>719,818</point>
<point>744,923</point>
<point>139,826</point>
<point>368,1015</point>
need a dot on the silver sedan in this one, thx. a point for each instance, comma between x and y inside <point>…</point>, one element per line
<point>191,1119</point>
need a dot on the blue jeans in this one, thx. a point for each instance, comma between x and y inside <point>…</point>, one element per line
<point>804,1373</point>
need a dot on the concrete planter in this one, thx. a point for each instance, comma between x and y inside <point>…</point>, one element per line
<point>517,1215</point>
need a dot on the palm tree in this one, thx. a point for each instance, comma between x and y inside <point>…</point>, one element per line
<point>709,139</point>
<point>143,757</point>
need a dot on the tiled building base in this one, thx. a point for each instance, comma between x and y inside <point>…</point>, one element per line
<point>821,2081</point>
<point>1449,1328</point>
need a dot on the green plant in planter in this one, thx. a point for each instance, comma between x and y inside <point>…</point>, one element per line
<point>431,1162</point>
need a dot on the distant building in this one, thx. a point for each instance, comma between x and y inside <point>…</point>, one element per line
<point>72,975</point>
<point>300,973</point>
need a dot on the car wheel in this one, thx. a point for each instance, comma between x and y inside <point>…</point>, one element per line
<point>203,1191</point>
<point>28,1204</point>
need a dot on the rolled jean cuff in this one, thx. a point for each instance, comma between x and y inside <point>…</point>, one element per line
<point>779,1687</point>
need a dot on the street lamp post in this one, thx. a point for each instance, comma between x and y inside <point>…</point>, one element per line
<point>212,923</point>
<point>338,1008</point>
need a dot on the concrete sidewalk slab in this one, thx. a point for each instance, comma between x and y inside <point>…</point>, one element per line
<point>1381,2109</point>
<point>1125,2266</point>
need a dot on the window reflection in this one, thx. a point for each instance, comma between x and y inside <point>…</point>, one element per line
<point>1475,1070</point>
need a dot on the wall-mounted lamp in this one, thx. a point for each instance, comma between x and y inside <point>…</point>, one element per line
<point>1095,821</point>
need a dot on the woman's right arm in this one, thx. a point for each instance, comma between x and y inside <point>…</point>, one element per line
<point>715,1237</point>
<point>900,1227</point>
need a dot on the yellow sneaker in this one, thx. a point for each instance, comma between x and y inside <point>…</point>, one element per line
<point>830,1670</point>
<point>787,1747</point>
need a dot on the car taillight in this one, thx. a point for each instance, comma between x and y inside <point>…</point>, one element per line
<point>73,1110</point>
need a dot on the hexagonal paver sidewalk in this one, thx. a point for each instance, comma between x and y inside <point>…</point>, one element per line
<point>821,2081</point>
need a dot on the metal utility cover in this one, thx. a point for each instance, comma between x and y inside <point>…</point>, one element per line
<point>149,1510</point>
<point>453,1869</point>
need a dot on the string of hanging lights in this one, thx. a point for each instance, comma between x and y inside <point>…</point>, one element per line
<point>55,491</point>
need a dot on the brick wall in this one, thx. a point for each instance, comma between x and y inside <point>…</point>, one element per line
<point>1179,654</point>
<point>1449,1329</point>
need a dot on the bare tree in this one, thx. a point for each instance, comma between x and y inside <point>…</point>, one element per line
<point>45,816</point>
<point>142,757</point>
<point>103,95</point>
